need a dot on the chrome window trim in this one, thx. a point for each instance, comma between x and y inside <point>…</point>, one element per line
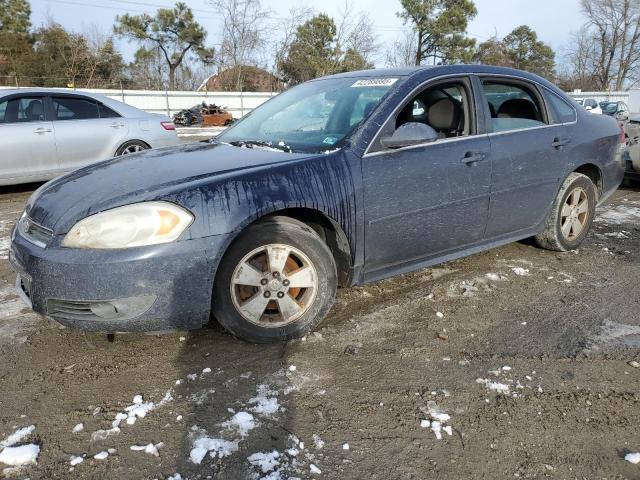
<point>447,140</point>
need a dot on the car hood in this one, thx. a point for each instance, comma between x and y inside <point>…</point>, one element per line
<point>140,177</point>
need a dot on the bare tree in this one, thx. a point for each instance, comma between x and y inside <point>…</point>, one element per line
<point>243,34</point>
<point>355,33</point>
<point>402,52</point>
<point>287,29</point>
<point>580,66</point>
<point>615,29</point>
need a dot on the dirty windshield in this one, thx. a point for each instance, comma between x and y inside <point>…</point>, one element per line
<point>312,117</point>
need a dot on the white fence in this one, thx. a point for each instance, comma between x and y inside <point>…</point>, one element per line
<point>603,96</point>
<point>170,102</point>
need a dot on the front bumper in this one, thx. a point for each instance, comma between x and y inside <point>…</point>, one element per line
<point>162,287</point>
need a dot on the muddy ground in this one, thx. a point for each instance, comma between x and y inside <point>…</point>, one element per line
<point>531,358</point>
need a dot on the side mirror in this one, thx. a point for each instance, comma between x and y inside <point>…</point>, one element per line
<point>408,134</point>
<point>622,116</point>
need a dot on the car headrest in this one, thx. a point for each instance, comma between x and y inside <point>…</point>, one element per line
<point>35,110</point>
<point>444,115</point>
<point>518,108</point>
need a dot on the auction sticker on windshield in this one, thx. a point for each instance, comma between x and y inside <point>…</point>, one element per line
<point>375,82</point>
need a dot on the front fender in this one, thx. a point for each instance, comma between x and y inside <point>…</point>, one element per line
<point>228,203</point>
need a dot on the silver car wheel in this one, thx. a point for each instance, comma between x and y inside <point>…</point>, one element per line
<point>575,213</point>
<point>132,149</point>
<point>274,285</point>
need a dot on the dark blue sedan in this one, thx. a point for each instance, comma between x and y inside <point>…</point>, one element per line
<point>336,182</point>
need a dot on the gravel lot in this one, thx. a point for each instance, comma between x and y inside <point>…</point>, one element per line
<point>529,353</point>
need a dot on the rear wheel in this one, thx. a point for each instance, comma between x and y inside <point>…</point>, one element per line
<point>132,146</point>
<point>276,282</point>
<point>571,215</point>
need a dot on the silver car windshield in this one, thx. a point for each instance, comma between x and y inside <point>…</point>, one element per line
<point>313,117</point>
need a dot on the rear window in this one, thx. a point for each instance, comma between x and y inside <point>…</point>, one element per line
<point>512,106</point>
<point>106,112</point>
<point>70,108</point>
<point>562,111</point>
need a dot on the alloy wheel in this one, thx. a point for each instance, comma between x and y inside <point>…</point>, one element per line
<point>274,285</point>
<point>575,214</point>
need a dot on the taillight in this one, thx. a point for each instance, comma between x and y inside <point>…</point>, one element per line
<point>168,125</point>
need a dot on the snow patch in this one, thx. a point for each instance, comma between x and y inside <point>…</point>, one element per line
<point>217,447</point>
<point>21,455</point>
<point>242,422</point>
<point>633,458</point>
<point>265,401</point>
<point>618,215</point>
<point>437,419</point>
<point>523,272</point>
<point>266,462</point>
<point>18,436</point>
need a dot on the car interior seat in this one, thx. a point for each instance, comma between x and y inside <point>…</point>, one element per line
<point>35,111</point>
<point>445,117</point>
<point>518,108</point>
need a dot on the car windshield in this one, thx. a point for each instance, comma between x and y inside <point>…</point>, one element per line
<point>609,107</point>
<point>313,117</point>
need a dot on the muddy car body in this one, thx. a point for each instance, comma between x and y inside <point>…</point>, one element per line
<point>425,169</point>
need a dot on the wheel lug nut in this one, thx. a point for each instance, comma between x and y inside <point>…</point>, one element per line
<point>276,274</point>
<point>285,283</point>
<point>280,294</point>
<point>264,281</point>
<point>267,294</point>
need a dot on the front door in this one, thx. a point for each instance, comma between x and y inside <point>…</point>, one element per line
<point>425,200</point>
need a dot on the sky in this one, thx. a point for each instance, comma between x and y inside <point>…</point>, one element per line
<point>553,20</point>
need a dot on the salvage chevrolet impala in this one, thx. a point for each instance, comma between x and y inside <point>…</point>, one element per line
<point>336,182</point>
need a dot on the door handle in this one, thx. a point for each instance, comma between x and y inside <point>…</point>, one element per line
<point>558,143</point>
<point>473,157</point>
<point>117,125</point>
<point>40,131</point>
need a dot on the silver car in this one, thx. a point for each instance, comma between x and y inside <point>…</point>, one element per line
<point>47,132</point>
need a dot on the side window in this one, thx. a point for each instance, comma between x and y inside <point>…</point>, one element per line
<point>445,107</point>
<point>106,112</point>
<point>70,108</point>
<point>22,110</point>
<point>563,112</point>
<point>512,106</point>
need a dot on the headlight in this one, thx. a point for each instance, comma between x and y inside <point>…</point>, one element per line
<point>135,225</point>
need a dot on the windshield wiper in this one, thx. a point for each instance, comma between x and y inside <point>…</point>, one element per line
<point>259,143</point>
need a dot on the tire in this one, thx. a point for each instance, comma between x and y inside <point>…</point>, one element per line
<point>132,146</point>
<point>580,188</point>
<point>253,258</point>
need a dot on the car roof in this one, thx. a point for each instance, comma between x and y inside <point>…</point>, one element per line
<point>122,108</point>
<point>438,70</point>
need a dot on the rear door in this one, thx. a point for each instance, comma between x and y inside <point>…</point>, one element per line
<point>528,153</point>
<point>27,141</point>
<point>86,131</point>
<point>425,200</point>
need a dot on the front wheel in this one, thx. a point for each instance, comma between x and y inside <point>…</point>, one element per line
<point>571,215</point>
<point>276,282</point>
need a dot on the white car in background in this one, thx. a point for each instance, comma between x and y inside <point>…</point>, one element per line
<point>590,104</point>
<point>47,132</point>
